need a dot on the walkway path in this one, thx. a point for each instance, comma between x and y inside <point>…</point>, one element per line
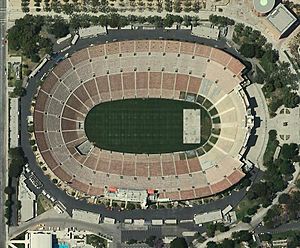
<point>292,119</point>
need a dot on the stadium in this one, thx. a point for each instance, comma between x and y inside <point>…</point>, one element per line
<point>158,116</point>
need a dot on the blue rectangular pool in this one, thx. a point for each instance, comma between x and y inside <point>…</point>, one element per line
<point>63,245</point>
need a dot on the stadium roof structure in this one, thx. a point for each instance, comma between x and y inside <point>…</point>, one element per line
<point>264,6</point>
<point>144,69</point>
<point>281,19</point>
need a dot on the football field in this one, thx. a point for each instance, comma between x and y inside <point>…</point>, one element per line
<point>141,125</point>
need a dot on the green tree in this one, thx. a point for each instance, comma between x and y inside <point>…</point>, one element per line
<point>228,243</point>
<point>18,205</point>
<point>289,151</point>
<point>35,58</point>
<point>7,203</point>
<point>150,241</point>
<point>284,199</point>
<point>272,214</point>
<point>187,5</point>
<point>196,6</point>
<point>178,243</point>
<point>168,6</point>
<point>265,236</point>
<point>17,162</point>
<point>269,59</point>
<point>246,219</point>
<point>252,211</point>
<point>259,52</point>
<point>15,170</point>
<point>248,50</point>
<point>221,227</point>
<point>291,99</point>
<point>212,244</point>
<point>187,20</point>
<point>286,167</point>
<point>251,195</point>
<point>177,6</point>
<point>245,182</point>
<point>59,28</point>
<point>114,20</point>
<point>19,91</point>
<point>211,229</point>
<point>9,190</point>
<point>298,183</point>
<point>169,20</point>
<point>241,236</point>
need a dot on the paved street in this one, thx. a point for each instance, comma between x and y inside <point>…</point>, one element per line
<point>3,121</point>
<point>292,226</point>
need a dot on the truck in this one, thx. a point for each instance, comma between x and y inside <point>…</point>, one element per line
<point>63,39</point>
<point>38,68</point>
<point>108,220</point>
<point>170,221</point>
<point>75,39</point>
<point>157,222</point>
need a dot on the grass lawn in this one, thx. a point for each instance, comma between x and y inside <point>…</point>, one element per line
<point>143,125</point>
<point>270,149</point>
<point>43,204</point>
<point>20,245</point>
<point>242,208</point>
<point>96,241</point>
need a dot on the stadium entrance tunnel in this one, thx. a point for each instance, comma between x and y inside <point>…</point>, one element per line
<point>144,125</point>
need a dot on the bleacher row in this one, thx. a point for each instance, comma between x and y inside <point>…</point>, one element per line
<point>167,69</point>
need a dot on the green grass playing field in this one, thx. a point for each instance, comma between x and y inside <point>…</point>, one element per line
<point>142,125</point>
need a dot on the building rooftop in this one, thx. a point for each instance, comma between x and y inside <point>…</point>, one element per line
<point>91,31</point>
<point>38,240</point>
<point>86,216</point>
<point>208,217</point>
<point>281,18</point>
<point>263,6</point>
<point>27,199</point>
<point>206,32</point>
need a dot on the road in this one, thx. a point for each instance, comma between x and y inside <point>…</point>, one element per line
<point>3,121</point>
